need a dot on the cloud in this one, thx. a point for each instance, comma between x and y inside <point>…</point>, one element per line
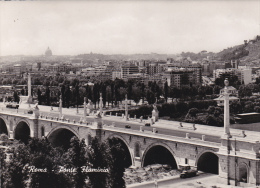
<point>125,27</point>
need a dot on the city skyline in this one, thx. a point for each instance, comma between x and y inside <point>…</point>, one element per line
<point>113,27</point>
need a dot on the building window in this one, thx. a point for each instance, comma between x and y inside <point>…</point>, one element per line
<point>42,132</point>
<point>186,161</point>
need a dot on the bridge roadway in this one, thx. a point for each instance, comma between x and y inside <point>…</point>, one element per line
<point>172,128</point>
<point>163,126</point>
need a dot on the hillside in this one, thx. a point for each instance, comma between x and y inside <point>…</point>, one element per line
<point>254,52</point>
<point>247,52</point>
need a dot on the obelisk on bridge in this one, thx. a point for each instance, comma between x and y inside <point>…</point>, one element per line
<point>126,108</point>
<point>29,89</point>
<point>60,107</point>
<point>226,110</point>
<point>101,105</point>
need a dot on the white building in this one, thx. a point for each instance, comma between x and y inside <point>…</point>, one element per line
<point>244,75</point>
<point>116,74</point>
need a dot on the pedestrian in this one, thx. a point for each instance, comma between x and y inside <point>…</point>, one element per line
<point>155,183</point>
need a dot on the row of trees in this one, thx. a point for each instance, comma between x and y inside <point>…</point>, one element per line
<point>113,92</point>
<point>21,171</point>
<point>171,110</point>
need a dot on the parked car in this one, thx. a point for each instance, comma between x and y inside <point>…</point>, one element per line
<point>128,126</point>
<point>12,105</point>
<point>147,124</point>
<point>187,172</point>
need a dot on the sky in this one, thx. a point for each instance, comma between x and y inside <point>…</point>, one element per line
<point>125,27</point>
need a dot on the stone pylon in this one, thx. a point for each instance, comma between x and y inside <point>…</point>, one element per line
<point>226,110</point>
<point>126,108</point>
<point>101,104</point>
<point>60,107</point>
<point>29,89</point>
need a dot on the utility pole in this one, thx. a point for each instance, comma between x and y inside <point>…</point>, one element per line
<point>235,163</point>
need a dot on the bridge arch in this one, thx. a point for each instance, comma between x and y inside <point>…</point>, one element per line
<point>243,175</point>
<point>22,131</point>
<point>61,136</point>
<point>159,153</point>
<point>126,148</point>
<point>4,129</point>
<point>207,161</point>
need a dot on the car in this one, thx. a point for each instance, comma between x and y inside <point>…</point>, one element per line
<point>128,126</point>
<point>147,124</point>
<point>188,172</point>
<point>12,105</point>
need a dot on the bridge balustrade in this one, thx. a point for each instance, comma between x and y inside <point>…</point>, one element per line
<point>190,140</point>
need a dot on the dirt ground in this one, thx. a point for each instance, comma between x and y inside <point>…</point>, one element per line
<point>148,173</point>
<point>201,181</point>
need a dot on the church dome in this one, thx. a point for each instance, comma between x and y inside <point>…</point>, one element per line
<point>48,52</point>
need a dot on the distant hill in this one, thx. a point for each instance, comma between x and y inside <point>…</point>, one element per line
<point>247,52</point>
<point>151,56</point>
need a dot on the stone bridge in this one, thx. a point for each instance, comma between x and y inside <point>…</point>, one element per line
<point>235,159</point>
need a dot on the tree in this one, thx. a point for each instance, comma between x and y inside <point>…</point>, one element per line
<point>233,80</point>
<point>150,97</point>
<point>211,109</point>
<point>67,96</point>
<point>16,97</point>
<point>166,90</point>
<point>117,95</point>
<point>129,89</point>
<point>157,91</point>
<point>137,94</point>
<point>39,95</point>
<point>2,166</point>
<point>62,91</point>
<point>95,93</point>
<point>97,158</point>
<point>15,174</point>
<point>47,95</point>
<point>77,95</point>
<point>117,163</point>
<point>217,111</point>
<point>175,93</point>
<point>257,109</point>
<point>142,92</point>
<point>22,92</point>
<point>104,94</point>
<point>235,107</point>
<point>76,157</point>
<point>109,95</point>
<point>193,112</point>
<point>112,89</point>
<point>44,156</point>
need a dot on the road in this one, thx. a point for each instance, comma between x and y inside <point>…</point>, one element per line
<point>136,126</point>
<point>178,182</point>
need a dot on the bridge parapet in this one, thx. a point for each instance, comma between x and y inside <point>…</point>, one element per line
<point>147,134</point>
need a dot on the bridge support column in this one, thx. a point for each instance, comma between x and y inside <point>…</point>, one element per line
<point>11,135</point>
<point>34,128</point>
<point>137,162</point>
